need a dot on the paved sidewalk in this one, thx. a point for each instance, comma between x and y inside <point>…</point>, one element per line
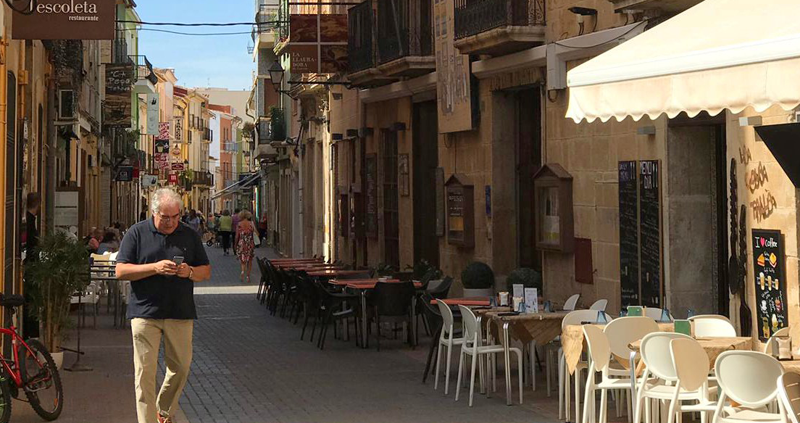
<point>251,367</point>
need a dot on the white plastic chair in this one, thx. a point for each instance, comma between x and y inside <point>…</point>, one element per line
<point>656,314</point>
<point>789,393</point>
<point>600,354</point>
<point>621,332</point>
<point>472,347</point>
<point>691,368</point>
<point>712,326</point>
<point>599,305</point>
<point>571,302</point>
<point>576,317</point>
<point>446,340</point>
<point>750,379</point>
<point>771,343</point>
<point>659,363</point>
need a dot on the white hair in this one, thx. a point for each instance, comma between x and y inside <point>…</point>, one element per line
<point>164,196</point>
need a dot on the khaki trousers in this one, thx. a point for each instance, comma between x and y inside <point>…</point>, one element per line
<point>147,334</point>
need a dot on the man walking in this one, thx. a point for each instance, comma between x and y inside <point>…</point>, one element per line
<point>162,258</point>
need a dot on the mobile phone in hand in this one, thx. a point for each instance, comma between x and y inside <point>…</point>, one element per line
<point>178,260</point>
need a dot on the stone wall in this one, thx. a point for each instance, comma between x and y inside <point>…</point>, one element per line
<point>779,197</point>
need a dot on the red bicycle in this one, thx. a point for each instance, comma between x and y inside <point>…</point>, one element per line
<point>31,370</point>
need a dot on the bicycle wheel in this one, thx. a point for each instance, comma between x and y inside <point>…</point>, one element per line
<point>42,381</point>
<point>5,398</point>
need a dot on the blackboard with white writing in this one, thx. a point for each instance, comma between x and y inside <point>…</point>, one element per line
<point>629,233</point>
<point>770,281</point>
<point>650,232</point>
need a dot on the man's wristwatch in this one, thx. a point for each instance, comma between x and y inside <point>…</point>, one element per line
<point>191,271</point>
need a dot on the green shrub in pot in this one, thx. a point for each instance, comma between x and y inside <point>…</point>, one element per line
<point>478,280</point>
<point>528,277</point>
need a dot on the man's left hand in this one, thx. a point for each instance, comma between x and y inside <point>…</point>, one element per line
<point>184,271</point>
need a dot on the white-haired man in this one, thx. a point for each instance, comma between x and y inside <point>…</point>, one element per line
<point>163,258</point>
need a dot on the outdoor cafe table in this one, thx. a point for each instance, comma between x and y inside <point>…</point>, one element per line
<point>308,266</point>
<point>466,302</point>
<point>530,328</point>
<point>335,273</point>
<point>364,285</point>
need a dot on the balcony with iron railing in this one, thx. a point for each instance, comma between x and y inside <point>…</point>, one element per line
<point>405,39</point>
<point>144,74</point>
<point>497,27</point>
<point>362,46</point>
<point>263,34</point>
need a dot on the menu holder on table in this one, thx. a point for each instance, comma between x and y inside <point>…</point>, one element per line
<point>532,300</point>
<point>602,317</point>
<point>684,327</point>
<point>636,311</point>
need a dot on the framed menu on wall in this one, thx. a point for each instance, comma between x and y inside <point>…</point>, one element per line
<point>629,233</point>
<point>650,233</point>
<point>770,280</point>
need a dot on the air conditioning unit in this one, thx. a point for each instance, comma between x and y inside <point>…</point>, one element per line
<point>66,105</point>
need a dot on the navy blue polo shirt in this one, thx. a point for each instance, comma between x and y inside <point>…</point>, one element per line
<point>159,296</point>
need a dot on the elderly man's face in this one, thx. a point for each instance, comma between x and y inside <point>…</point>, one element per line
<point>167,218</point>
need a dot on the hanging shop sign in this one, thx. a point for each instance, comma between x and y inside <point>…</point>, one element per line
<point>452,73</point>
<point>124,174</point>
<point>178,166</point>
<point>161,155</point>
<point>117,106</point>
<point>66,20</point>
<point>178,125</point>
<point>149,180</point>
<point>163,131</point>
<point>770,282</point>
<point>172,179</point>
<point>317,43</point>
<point>152,114</point>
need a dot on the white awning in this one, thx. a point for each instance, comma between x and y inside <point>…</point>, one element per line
<point>720,54</point>
<point>234,187</point>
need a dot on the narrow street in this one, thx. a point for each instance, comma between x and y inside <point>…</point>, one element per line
<point>251,367</point>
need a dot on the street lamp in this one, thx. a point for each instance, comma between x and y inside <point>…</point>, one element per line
<point>276,75</point>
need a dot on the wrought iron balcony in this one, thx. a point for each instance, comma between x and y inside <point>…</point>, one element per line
<point>360,41</point>
<point>498,26</point>
<point>144,69</point>
<point>405,37</point>
<point>204,178</point>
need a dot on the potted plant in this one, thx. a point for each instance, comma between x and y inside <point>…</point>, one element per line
<point>525,276</point>
<point>478,280</point>
<point>60,269</point>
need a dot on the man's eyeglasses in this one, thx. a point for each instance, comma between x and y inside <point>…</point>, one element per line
<point>169,218</point>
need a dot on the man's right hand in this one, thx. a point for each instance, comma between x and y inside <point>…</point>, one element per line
<point>166,267</point>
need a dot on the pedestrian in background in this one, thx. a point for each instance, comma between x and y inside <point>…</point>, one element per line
<point>235,218</point>
<point>193,221</point>
<point>225,229</point>
<point>30,321</point>
<point>161,302</point>
<point>109,244</point>
<point>95,237</point>
<point>262,228</point>
<point>245,243</point>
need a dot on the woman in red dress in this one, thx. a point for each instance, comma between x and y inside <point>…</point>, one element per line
<point>244,243</point>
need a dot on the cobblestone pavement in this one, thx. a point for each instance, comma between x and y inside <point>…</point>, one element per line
<point>251,367</point>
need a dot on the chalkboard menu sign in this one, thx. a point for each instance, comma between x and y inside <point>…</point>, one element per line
<point>371,169</point>
<point>460,212</point>
<point>650,232</point>
<point>770,280</point>
<point>629,233</point>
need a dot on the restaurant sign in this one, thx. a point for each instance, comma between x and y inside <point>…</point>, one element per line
<point>119,85</point>
<point>318,43</point>
<point>66,20</point>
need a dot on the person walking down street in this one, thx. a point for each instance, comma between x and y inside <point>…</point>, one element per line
<point>193,221</point>
<point>245,243</point>
<point>236,219</point>
<point>262,228</point>
<point>162,258</point>
<point>225,229</point>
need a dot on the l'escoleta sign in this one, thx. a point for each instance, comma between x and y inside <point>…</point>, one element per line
<point>66,20</point>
